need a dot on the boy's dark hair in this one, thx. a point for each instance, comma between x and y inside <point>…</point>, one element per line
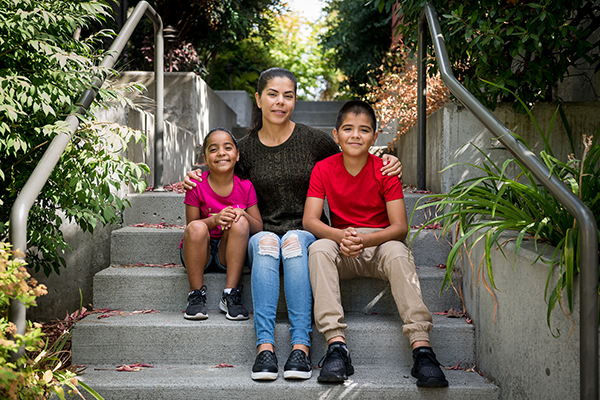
<point>356,107</point>
<point>238,169</point>
<point>263,80</point>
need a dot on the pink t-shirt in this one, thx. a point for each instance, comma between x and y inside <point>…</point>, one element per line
<point>355,201</point>
<point>204,197</point>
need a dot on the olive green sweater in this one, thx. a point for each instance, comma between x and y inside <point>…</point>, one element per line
<point>281,174</point>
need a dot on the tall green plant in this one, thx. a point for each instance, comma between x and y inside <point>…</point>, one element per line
<point>485,207</point>
<point>43,71</point>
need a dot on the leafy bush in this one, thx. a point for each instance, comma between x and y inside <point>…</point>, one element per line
<point>394,97</point>
<point>43,71</point>
<point>29,377</point>
<point>485,207</point>
<point>525,47</point>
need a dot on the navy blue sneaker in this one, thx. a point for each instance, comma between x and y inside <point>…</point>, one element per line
<point>232,304</point>
<point>196,304</point>
<point>427,368</point>
<point>336,365</point>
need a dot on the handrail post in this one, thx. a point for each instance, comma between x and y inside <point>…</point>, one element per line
<point>159,84</point>
<point>588,229</point>
<point>422,107</point>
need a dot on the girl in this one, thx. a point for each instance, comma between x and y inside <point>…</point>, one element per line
<point>278,156</point>
<point>221,213</point>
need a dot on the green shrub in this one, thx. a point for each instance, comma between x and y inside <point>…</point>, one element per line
<point>484,207</point>
<point>525,47</point>
<point>43,71</point>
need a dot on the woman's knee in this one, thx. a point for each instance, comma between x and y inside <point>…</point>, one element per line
<point>265,244</point>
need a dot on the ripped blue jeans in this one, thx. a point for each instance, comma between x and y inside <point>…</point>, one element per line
<point>265,250</point>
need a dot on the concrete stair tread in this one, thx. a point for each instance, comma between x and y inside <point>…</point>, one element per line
<point>178,381</point>
<point>166,337</point>
<point>166,289</point>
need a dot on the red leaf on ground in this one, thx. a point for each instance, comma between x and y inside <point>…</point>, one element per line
<point>456,367</point>
<point>223,365</point>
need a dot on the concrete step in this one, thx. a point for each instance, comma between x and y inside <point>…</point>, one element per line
<point>168,338</point>
<point>319,106</point>
<point>168,382</point>
<point>314,118</point>
<point>168,207</point>
<point>166,289</point>
<point>149,245</point>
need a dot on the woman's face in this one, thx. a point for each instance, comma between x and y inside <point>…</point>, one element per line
<point>277,101</point>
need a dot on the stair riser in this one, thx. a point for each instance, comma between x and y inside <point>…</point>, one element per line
<point>161,246</point>
<point>166,290</point>
<point>323,106</point>
<point>174,340</point>
<point>314,118</point>
<point>168,207</point>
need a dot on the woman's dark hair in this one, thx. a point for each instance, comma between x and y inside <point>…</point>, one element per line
<point>356,107</point>
<point>238,169</point>
<point>263,80</point>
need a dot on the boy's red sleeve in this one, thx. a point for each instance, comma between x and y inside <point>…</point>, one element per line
<point>392,188</point>
<point>315,187</point>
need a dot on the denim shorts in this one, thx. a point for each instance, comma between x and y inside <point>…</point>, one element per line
<point>214,256</point>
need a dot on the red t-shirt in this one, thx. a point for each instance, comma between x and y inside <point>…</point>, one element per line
<point>356,201</point>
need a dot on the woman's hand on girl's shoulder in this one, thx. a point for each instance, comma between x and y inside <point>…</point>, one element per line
<point>391,166</point>
<point>188,183</point>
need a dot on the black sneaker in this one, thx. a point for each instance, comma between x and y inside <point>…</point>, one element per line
<point>232,304</point>
<point>196,305</point>
<point>298,366</point>
<point>336,365</point>
<point>265,367</point>
<point>427,368</point>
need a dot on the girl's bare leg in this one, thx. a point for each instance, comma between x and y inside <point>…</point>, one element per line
<point>196,252</point>
<point>232,251</point>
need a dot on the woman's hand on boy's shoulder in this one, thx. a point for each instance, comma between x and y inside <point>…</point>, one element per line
<point>188,183</point>
<point>391,166</point>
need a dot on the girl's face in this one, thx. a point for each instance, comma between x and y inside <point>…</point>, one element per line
<point>277,101</point>
<point>220,152</point>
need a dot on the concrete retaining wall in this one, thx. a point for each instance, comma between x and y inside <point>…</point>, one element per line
<point>189,102</point>
<point>515,347</point>
<point>453,126</point>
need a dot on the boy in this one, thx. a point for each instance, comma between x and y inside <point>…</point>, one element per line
<point>368,226</point>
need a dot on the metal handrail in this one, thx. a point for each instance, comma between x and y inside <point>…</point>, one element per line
<point>588,230</point>
<point>40,175</point>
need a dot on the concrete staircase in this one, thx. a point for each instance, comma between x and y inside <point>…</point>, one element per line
<point>185,354</point>
<point>318,114</point>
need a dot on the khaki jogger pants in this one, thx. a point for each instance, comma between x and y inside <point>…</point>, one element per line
<point>389,262</point>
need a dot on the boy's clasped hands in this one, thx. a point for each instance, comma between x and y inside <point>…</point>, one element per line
<point>352,243</point>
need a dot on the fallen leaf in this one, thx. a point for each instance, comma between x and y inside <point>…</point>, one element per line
<point>223,365</point>
<point>455,314</point>
<point>455,368</point>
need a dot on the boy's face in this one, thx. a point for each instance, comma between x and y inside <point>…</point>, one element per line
<point>355,134</point>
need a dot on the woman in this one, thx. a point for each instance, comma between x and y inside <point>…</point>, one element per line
<point>278,156</point>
